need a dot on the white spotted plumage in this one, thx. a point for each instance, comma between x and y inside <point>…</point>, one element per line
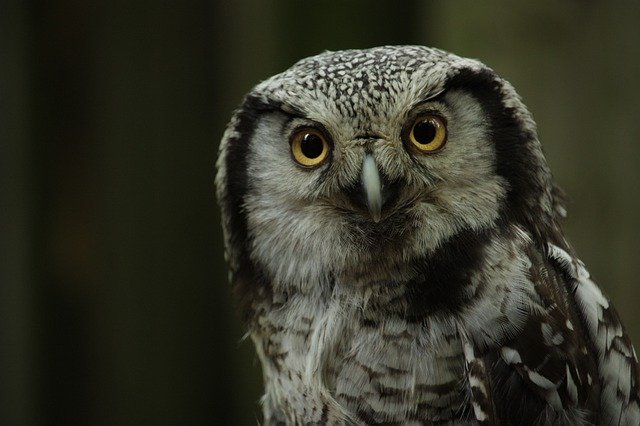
<point>390,286</point>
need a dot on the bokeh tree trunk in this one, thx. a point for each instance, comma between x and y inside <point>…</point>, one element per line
<point>18,345</point>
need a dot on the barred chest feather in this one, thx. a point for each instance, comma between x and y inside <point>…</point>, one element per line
<point>360,362</point>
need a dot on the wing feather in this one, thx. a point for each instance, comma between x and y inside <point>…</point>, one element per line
<point>617,361</point>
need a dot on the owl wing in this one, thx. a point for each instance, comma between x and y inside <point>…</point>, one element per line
<point>571,361</point>
<point>618,371</point>
<point>541,372</point>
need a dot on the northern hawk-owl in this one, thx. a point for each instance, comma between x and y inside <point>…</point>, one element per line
<point>394,235</point>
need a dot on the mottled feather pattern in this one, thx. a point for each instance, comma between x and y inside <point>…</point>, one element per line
<point>479,386</point>
<point>618,373</point>
<point>459,302</point>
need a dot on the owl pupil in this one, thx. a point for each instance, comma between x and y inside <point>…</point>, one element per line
<point>311,145</point>
<point>424,132</point>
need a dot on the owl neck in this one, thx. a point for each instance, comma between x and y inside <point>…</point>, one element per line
<point>441,282</point>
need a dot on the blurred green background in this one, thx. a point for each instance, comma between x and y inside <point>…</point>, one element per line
<point>114,304</point>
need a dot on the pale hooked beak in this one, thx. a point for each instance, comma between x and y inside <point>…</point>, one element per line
<point>372,187</point>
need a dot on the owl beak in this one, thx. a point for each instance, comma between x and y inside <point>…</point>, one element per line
<point>372,187</point>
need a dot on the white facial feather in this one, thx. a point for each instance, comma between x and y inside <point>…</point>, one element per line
<point>300,232</point>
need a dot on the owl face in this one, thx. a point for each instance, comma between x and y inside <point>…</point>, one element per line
<point>353,163</point>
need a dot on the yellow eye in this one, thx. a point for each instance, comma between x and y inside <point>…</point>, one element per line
<point>309,147</point>
<point>428,133</point>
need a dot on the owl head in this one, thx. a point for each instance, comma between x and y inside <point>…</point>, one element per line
<point>354,163</point>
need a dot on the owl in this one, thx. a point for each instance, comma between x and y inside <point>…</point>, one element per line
<point>393,232</point>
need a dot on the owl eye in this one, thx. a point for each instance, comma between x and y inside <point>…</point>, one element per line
<point>428,133</point>
<point>309,147</point>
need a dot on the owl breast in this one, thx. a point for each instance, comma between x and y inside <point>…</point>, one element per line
<point>360,355</point>
<point>395,371</point>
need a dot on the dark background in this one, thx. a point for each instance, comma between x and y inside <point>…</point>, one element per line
<point>114,305</point>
